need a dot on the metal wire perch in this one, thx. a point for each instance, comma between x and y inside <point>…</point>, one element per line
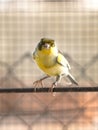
<point>39,90</point>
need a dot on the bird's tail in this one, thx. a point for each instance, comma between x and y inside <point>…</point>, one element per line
<point>72,79</point>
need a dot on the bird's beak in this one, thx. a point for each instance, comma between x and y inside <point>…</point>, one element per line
<point>46,46</point>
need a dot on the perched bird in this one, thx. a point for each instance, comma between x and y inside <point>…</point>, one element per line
<point>52,62</point>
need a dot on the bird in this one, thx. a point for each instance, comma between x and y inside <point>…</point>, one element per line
<point>52,62</point>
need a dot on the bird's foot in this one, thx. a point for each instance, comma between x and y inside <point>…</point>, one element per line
<point>52,86</point>
<point>38,83</point>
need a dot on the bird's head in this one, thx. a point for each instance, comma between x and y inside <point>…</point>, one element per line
<point>46,44</point>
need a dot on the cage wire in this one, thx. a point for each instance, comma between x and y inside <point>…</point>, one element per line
<point>74,27</point>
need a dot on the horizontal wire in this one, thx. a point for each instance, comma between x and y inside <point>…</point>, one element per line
<point>57,89</point>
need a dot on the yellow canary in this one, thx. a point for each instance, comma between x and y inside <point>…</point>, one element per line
<point>51,61</point>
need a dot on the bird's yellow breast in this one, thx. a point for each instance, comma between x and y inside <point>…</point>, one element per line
<point>53,70</point>
<point>47,61</point>
<point>45,57</point>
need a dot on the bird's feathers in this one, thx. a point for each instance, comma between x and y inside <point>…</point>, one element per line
<point>62,61</point>
<point>47,40</point>
<point>72,79</point>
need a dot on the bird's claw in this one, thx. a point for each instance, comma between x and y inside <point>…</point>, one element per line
<point>37,83</point>
<point>52,87</point>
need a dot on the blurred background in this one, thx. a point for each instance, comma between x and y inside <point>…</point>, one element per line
<point>73,24</point>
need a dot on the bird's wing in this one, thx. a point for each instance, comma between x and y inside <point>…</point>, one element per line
<point>62,60</point>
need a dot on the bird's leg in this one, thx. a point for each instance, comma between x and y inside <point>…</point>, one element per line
<point>38,82</point>
<point>55,83</point>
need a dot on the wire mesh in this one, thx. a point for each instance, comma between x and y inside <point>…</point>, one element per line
<point>75,30</point>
